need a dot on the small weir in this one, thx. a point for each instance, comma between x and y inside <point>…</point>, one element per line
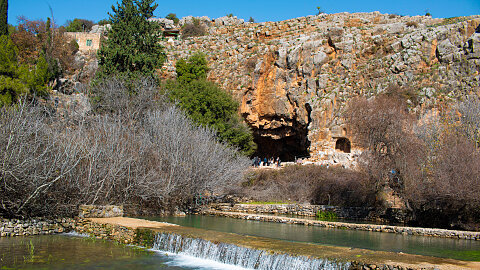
<point>240,256</point>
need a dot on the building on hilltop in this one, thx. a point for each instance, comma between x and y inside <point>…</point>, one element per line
<point>87,42</point>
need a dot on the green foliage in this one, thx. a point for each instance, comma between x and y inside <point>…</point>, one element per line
<point>12,77</point>
<point>173,17</point>
<point>207,104</point>
<point>132,46</point>
<point>144,237</point>
<point>3,17</point>
<point>79,25</point>
<point>194,68</point>
<point>326,215</point>
<point>103,22</point>
<point>230,15</point>
<point>252,20</point>
<point>18,80</point>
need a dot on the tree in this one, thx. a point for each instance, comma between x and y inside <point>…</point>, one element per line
<point>103,22</point>
<point>12,77</point>
<point>320,10</point>
<point>194,68</point>
<point>173,17</point>
<point>3,17</point>
<point>78,25</point>
<point>132,46</point>
<point>252,20</point>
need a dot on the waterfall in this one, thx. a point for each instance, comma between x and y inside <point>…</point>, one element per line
<point>240,256</point>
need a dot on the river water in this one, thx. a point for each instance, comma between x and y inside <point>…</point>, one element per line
<point>67,251</point>
<point>430,246</point>
<point>70,251</point>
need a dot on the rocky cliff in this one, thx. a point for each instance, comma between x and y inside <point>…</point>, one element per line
<point>294,77</point>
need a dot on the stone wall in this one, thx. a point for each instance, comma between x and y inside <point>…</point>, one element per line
<point>38,226</point>
<point>353,226</point>
<point>100,211</point>
<point>357,213</point>
<point>106,231</point>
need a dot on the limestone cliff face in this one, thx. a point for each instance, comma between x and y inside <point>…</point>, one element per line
<point>294,77</point>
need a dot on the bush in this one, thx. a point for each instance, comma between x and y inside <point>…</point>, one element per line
<point>173,17</point>
<point>432,164</point>
<point>157,160</point>
<point>194,29</point>
<point>311,184</point>
<point>78,25</point>
<point>208,105</point>
<point>194,68</point>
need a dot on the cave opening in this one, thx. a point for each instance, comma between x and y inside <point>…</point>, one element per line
<point>343,144</point>
<point>286,142</point>
<point>287,148</point>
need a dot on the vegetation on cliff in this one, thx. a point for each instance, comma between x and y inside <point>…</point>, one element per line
<point>207,104</point>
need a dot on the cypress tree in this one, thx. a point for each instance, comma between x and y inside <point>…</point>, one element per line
<point>3,17</point>
<point>132,46</point>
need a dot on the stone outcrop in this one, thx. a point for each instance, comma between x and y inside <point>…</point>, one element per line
<point>294,77</point>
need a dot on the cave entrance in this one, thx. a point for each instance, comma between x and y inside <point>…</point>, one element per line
<point>343,144</point>
<point>287,148</point>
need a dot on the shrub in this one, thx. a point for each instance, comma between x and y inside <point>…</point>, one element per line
<point>157,160</point>
<point>311,184</point>
<point>173,17</point>
<point>208,105</point>
<point>412,24</point>
<point>78,25</point>
<point>194,29</point>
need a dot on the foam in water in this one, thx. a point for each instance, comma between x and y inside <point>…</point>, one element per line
<point>76,234</point>
<point>240,256</point>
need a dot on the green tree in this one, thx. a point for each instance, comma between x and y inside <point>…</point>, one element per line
<point>173,17</point>
<point>194,68</point>
<point>79,25</point>
<point>132,46</point>
<point>17,80</point>
<point>12,77</point>
<point>252,20</point>
<point>207,104</point>
<point>3,17</point>
<point>103,22</point>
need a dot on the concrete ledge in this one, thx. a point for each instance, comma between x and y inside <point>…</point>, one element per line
<point>353,226</point>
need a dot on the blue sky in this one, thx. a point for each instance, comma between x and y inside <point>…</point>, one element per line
<point>261,10</point>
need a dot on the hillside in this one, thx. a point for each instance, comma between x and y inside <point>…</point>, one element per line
<point>294,77</point>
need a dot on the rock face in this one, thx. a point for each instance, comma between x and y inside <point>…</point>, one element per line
<point>294,77</point>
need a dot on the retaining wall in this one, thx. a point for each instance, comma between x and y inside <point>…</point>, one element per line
<point>353,226</point>
<point>16,227</point>
<point>359,213</point>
